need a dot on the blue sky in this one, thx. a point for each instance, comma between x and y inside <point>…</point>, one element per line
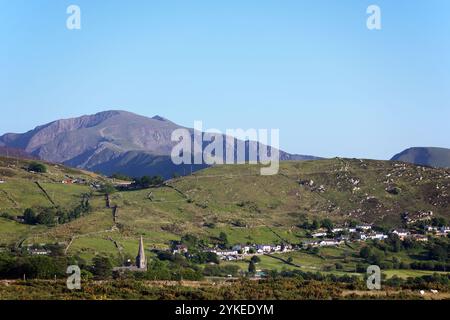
<point>310,68</point>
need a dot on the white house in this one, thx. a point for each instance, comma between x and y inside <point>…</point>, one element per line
<point>402,234</point>
<point>335,230</point>
<point>264,248</point>
<point>226,253</point>
<point>246,249</point>
<point>378,236</point>
<point>180,249</point>
<point>352,230</point>
<point>39,252</point>
<point>328,243</point>
<point>243,248</point>
<point>307,244</point>
<point>319,234</point>
<point>276,248</point>
<point>364,227</point>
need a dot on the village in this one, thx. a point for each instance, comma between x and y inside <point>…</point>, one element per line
<point>321,238</point>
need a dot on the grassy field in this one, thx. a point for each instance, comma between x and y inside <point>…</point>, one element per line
<point>404,274</point>
<point>318,263</point>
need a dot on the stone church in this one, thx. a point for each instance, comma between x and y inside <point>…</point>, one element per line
<point>141,261</point>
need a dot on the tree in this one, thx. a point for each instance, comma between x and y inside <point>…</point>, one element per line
<point>315,225</point>
<point>157,180</point>
<point>144,182</point>
<point>327,224</point>
<point>46,217</point>
<point>251,267</point>
<point>37,167</point>
<point>29,216</point>
<point>63,216</point>
<point>376,257</point>
<point>365,252</point>
<point>255,259</point>
<point>46,267</point>
<point>211,257</point>
<point>102,267</point>
<point>147,181</point>
<point>438,253</point>
<point>409,244</point>
<point>352,224</point>
<point>190,241</point>
<point>223,239</point>
<point>395,242</point>
<point>107,189</point>
<point>438,222</point>
<point>120,176</point>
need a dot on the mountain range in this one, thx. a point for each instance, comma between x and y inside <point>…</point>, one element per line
<point>112,142</point>
<point>123,142</point>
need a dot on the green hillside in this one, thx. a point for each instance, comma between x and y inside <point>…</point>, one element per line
<point>234,199</point>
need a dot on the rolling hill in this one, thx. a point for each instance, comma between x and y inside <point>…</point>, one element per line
<point>231,198</point>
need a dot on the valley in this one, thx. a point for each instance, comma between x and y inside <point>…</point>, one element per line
<point>234,200</point>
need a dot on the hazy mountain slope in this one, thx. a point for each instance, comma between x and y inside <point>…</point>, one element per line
<point>433,157</point>
<point>341,189</point>
<point>110,141</point>
<point>16,153</point>
<point>139,163</point>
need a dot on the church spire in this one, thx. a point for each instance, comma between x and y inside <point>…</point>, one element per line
<point>141,261</point>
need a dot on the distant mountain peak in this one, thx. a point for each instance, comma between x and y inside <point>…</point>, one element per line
<point>426,156</point>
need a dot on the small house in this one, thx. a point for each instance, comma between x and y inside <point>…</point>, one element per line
<point>364,227</point>
<point>328,243</point>
<point>180,249</point>
<point>319,234</point>
<point>265,248</point>
<point>378,236</point>
<point>401,233</point>
<point>419,238</point>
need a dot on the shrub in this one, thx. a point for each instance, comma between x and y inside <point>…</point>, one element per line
<point>255,259</point>
<point>37,167</point>
<point>102,267</point>
<point>29,216</point>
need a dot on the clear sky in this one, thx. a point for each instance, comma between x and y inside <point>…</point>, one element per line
<point>310,68</point>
